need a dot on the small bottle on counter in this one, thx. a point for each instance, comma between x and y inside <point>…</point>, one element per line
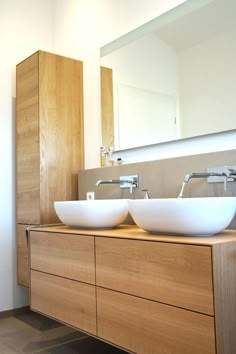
<point>110,156</point>
<point>102,156</point>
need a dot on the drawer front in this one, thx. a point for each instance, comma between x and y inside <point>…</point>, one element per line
<point>148,327</point>
<point>69,256</point>
<point>65,300</point>
<point>175,274</point>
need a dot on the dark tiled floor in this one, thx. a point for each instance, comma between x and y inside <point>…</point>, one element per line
<point>32,333</point>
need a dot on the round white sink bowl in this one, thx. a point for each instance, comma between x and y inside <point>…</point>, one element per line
<point>183,216</point>
<point>92,214</point>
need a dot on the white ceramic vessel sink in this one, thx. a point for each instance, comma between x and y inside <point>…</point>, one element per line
<point>92,214</point>
<point>183,216</point>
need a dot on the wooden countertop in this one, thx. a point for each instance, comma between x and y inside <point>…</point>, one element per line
<point>135,233</point>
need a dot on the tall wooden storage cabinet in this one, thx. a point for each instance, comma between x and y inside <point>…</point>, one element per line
<point>49,141</point>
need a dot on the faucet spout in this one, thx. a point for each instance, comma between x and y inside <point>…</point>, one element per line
<point>203,175</point>
<point>108,181</point>
<point>124,182</point>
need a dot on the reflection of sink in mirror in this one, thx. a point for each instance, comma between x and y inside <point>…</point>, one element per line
<point>92,214</point>
<point>187,216</point>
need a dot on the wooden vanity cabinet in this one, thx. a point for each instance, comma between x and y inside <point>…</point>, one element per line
<point>49,140</point>
<point>153,294</point>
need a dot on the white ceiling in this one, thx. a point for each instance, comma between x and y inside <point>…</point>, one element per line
<point>213,19</point>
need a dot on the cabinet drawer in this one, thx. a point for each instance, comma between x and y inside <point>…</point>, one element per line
<point>175,274</point>
<point>65,300</point>
<point>69,256</point>
<point>148,327</point>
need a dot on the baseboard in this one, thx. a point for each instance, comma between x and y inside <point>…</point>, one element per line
<point>14,312</point>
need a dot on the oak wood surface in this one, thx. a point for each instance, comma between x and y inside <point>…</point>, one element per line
<point>160,276</point>
<point>175,274</point>
<point>66,300</point>
<point>22,256</point>
<point>107,109</point>
<point>224,272</point>
<point>61,130</point>
<point>27,142</point>
<point>49,135</point>
<point>70,256</point>
<point>50,141</point>
<point>27,80</point>
<point>135,233</point>
<point>148,327</point>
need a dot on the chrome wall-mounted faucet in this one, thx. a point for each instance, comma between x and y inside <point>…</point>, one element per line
<point>203,175</point>
<point>124,182</point>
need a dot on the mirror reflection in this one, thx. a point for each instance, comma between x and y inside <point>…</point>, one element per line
<point>175,80</point>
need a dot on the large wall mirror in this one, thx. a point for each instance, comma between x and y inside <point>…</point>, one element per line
<point>172,78</point>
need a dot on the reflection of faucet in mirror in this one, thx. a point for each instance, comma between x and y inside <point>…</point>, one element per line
<point>201,175</point>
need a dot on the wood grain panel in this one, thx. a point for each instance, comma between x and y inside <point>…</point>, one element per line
<point>22,256</point>
<point>66,300</point>
<point>27,141</point>
<point>224,271</point>
<point>176,274</point>
<point>107,109</point>
<point>27,83</point>
<point>133,232</point>
<point>70,256</point>
<point>147,327</point>
<point>61,130</point>
<point>27,165</point>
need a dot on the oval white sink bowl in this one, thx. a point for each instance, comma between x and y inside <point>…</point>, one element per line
<point>92,214</point>
<point>183,216</point>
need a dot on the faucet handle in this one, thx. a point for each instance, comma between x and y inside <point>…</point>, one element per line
<point>146,195</point>
<point>231,173</point>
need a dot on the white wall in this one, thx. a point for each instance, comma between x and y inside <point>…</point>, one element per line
<point>25,27</point>
<point>153,67</point>
<point>207,85</point>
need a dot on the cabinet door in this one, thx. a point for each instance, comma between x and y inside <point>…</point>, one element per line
<point>27,142</point>
<point>66,300</point>
<point>61,130</point>
<point>67,255</point>
<point>50,134</point>
<point>22,256</point>
<point>176,274</point>
<point>148,327</point>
